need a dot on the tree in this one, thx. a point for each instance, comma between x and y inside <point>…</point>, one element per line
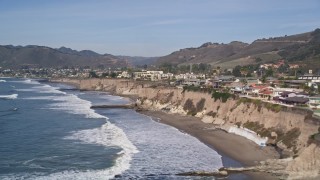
<point>264,79</point>
<point>283,68</point>
<point>244,71</point>
<point>202,67</point>
<point>93,74</point>
<point>145,66</point>
<point>113,75</point>
<point>236,71</point>
<point>269,72</point>
<point>105,74</point>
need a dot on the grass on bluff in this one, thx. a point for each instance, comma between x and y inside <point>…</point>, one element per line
<point>288,138</point>
<point>223,96</point>
<point>259,104</point>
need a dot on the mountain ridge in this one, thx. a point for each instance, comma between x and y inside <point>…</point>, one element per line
<point>303,48</point>
<point>240,53</point>
<point>42,56</point>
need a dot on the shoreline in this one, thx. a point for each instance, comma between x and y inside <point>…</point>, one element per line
<point>235,150</point>
<point>223,142</point>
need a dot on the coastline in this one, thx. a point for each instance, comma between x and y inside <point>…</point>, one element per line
<point>236,151</point>
<point>236,147</point>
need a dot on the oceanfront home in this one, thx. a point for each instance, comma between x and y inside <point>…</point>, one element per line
<point>314,102</point>
<point>310,77</point>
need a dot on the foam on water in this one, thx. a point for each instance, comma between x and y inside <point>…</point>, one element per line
<point>26,81</point>
<point>165,149</point>
<point>1,80</point>
<point>12,96</point>
<point>30,81</point>
<point>158,142</point>
<point>107,135</point>
<point>43,89</point>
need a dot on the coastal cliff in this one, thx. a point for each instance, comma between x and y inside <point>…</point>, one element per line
<point>288,128</point>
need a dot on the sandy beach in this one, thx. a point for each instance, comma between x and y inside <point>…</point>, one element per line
<point>231,147</point>
<point>235,150</point>
<point>236,147</point>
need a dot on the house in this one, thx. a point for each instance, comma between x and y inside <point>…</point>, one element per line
<point>295,83</point>
<point>266,92</point>
<point>194,82</point>
<point>124,74</point>
<point>279,91</point>
<point>314,102</point>
<point>294,66</point>
<point>148,75</point>
<point>295,100</point>
<point>226,78</point>
<point>310,77</point>
<point>189,82</point>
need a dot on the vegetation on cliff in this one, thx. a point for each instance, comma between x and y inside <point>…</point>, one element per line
<point>259,104</point>
<point>223,96</point>
<point>276,135</point>
<point>189,107</point>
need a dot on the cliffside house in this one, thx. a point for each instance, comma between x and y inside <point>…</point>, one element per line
<point>190,76</point>
<point>124,74</point>
<point>194,82</point>
<point>151,75</point>
<point>295,83</point>
<point>310,77</point>
<point>314,102</point>
<point>294,100</point>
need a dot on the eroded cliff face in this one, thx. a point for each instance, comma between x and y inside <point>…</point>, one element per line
<point>288,128</point>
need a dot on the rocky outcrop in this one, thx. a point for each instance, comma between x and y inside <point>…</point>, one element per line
<point>288,128</point>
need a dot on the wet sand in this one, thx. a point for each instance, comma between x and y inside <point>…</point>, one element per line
<point>235,150</point>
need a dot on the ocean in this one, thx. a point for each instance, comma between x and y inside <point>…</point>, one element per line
<point>48,131</point>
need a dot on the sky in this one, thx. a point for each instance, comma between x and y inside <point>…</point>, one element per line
<point>150,27</point>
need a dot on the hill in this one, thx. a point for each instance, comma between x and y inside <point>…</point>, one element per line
<point>298,48</point>
<point>138,60</point>
<point>41,56</point>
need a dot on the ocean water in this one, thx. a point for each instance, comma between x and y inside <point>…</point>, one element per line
<point>48,131</point>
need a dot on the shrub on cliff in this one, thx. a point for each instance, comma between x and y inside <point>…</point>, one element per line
<point>189,107</point>
<point>223,96</point>
<point>200,104</point>
<point>290,138</point>
<point>211,113</point>
<point>191,88</point>
<point>167,98</point>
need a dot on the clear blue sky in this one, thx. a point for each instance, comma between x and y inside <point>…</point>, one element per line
<point>151,27</point>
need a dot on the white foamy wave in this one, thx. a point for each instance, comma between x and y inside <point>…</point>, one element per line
<point>72,104</point>
<point>42,98</point>
<point>25,90</point>
<point>30,81</point>
<point>48,89</point>
<point>1,80</point>
<point>43,89</point>
<point>12,96</point>
<point>108,135</point>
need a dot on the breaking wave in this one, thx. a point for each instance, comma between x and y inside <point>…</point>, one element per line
<point>108,135</point>
<point>12,96</point>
